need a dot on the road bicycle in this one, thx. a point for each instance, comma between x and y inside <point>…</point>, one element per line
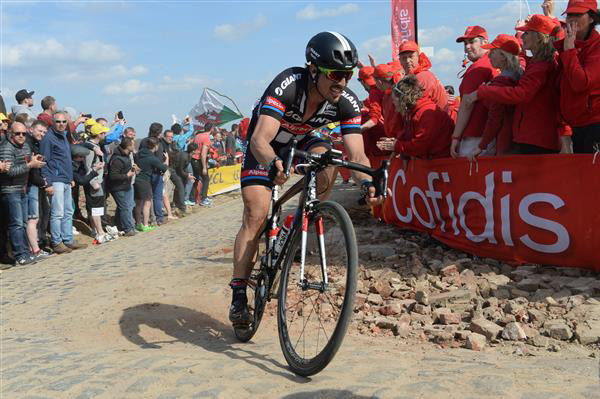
<point>309,263</point>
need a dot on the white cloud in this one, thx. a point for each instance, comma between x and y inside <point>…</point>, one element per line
<point>231,32</point>
<point>433,36</point>
<point>446,60</point>
<point>131,86</point>
<point>311,12</point>
<point>379,47</point>
<point>166,84</point>
<point>504,17</point>
<point>51,50</point>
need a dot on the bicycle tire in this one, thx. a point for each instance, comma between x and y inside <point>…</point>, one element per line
<point>309,366</point>
<point>259,281</point>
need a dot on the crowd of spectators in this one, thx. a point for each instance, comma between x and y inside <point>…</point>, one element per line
<point>534,91</point>
<point>48,160</point>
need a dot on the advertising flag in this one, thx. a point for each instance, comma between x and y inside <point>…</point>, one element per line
<point>404,23</point>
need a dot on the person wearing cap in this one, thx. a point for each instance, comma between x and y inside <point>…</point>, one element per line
<point>579,74</point>
<point>24,103</point>
<point>504,52</point>
<point>469,132</point>
<point>427,126</point>
<point>3,127</point>
<point>537,126</point>
<point>371,115</point>
<point>385,79</point>
<point>58,172</point>
<point>94,190</point>
<point>415,62</point>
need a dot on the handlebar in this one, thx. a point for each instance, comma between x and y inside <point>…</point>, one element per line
<point>334,157</point>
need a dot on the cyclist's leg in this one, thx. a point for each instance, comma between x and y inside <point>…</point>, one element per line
<point>256,195</point>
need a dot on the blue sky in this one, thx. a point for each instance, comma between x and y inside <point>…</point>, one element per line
<point>151,59</point>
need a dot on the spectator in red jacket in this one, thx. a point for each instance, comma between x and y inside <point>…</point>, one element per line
<point>504,51</point>
<point>579,66</point>
<point>536,125</point>
<point>384,79</point>
<point>453,102</point>
<point>371,116</point>
<point>468,134</point>
<point>415,62</point>
<point>427,127</point>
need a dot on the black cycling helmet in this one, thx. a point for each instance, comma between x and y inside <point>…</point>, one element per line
<point>77,150</point>
<point>331,50</point>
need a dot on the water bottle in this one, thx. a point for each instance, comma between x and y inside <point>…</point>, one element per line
<point>282,236</point>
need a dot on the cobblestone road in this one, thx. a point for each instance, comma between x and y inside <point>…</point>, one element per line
<point>145,317</point>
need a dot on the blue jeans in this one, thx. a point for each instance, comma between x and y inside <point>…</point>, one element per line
<point>189,185</point>
<point>61,214</point>
<point>33,202</point>
<point>16,204</point>
<point>125,203</point>
<point>157,196</point>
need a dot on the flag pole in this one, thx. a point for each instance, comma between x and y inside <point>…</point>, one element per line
<point>416,23</point>
<point>229,98</point>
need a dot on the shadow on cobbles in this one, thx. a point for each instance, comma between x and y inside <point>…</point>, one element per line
<point>197,328</point>
<point>327,394</point>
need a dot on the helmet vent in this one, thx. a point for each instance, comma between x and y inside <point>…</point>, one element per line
<point>338,56</point>
<point>349,57</point>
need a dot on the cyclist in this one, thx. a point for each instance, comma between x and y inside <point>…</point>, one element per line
<point>298,101</point>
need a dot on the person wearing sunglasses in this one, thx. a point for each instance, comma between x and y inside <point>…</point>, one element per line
<point>13,189</point>
<point>58,173</point>
<point>297,102</point>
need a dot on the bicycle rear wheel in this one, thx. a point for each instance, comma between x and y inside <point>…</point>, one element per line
<point>313,315</point>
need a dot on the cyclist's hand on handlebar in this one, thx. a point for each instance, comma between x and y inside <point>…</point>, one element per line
<point>280,177</point>
<point>372,200</point>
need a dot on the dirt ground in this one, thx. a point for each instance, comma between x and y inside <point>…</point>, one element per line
<point>146,317</point>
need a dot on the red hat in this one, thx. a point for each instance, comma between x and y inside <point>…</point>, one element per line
<point>383,71</point>
<point>508,43</point>
<point>408,46</point>
<point>541,24</point>
<point>581,6</point>
<point>366,75</point>
<point>472,32</point>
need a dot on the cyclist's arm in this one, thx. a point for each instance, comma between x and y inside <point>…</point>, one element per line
<point>260,144</point>
<point>356,153</point>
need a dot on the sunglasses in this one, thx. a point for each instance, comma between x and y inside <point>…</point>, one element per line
<point>19,134</point>
<point>336,75</point>
<point>60,121</point>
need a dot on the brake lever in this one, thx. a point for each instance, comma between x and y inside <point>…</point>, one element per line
<point>290,159</point>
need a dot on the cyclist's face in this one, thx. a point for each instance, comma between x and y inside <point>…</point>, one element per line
<point>331,90</point>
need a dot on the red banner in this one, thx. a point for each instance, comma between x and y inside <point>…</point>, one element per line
<point>404,23</point>
<point>523,209</point>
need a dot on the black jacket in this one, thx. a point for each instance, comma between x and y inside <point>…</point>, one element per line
<point>118,167</point>
<point>149,164</point>
<point>35,175</point>
<point>80,174</point>
<point>15,179</point>
<point>180,162</point>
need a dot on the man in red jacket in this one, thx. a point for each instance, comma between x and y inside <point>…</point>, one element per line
<point>385,78</point>
<point>480,72</point>
<point>371,115</point>
<point>427,127</point>
<point>415,62</point>
<point>579,68</point>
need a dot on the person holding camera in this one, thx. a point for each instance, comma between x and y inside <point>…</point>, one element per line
<point>121,176</point>
<point>13,189</point>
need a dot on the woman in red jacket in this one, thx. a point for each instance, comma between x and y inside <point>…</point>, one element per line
<point>504,51</point>
<point>536,127</point>
<point>426,127</point>
<point>579,63</point>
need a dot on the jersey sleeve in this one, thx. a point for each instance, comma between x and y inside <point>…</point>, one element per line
<point>350,117</point>
<point>279,95</point>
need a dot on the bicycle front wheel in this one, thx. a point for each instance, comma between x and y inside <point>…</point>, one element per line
<point>313,314</point>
